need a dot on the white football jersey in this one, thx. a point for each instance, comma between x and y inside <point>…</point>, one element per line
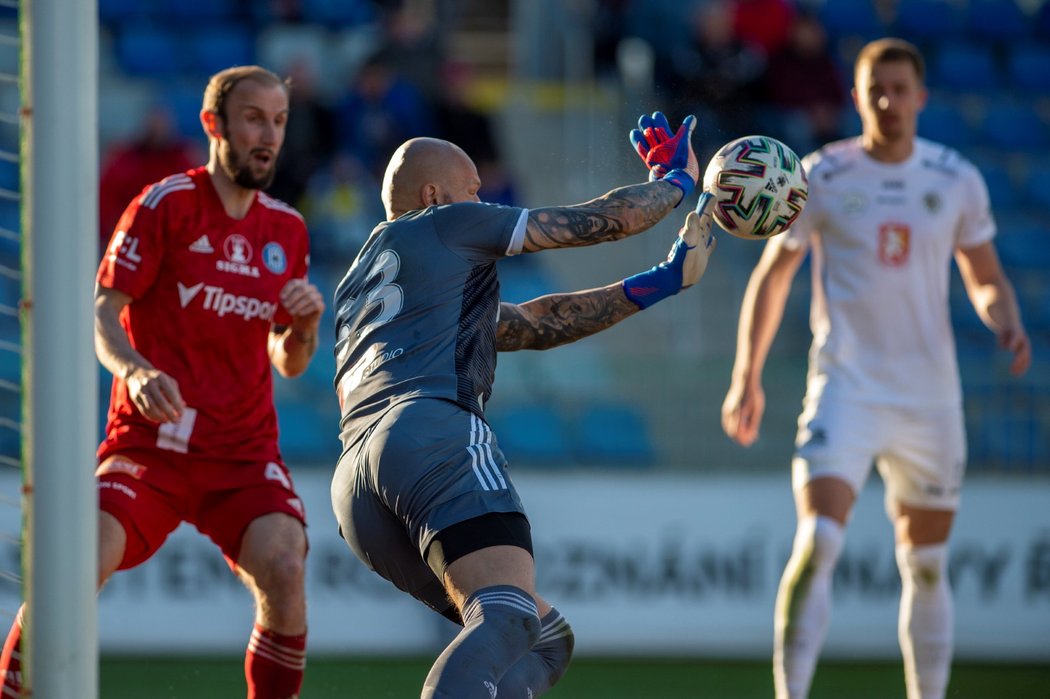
<point>882,238</point>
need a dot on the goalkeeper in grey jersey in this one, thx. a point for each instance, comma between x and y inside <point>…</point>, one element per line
<point>421,492</point>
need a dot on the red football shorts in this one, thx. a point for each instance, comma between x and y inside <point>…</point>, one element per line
<point>150,491</point>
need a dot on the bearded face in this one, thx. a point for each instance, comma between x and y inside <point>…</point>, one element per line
<point>253,169</point>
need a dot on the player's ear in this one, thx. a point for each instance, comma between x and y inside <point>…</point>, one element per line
<point>210,122</point>
<point>429,195</point>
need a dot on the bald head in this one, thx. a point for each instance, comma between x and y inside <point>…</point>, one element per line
<point>428,172</point>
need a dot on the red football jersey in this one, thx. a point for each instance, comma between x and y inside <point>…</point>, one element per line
<point>205,290</point>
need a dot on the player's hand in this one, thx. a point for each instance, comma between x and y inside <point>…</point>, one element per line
<point>668,155</point>
<point>155,394</point>
<point>699,241</point>
<point>303,302</point>
<point>685,263</point>
<point>742,411</point>
<point>1015,341</point>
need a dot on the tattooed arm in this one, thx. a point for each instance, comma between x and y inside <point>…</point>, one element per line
<point>558,319</point>
<point>618,214</point>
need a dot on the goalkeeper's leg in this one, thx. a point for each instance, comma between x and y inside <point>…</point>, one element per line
<point>545,663</point>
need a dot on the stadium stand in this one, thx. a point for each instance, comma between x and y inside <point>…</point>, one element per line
<point>990,87</point>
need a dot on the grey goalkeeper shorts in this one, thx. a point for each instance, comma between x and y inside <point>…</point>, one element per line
<point>425,465</point>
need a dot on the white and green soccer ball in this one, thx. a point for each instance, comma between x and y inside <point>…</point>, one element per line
<point>759,187</point>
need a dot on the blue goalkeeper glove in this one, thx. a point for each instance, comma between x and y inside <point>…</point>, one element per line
<point>668,157</point>
<point>685,263</point>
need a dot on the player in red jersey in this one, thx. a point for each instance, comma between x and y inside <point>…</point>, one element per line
<point>203,286</point>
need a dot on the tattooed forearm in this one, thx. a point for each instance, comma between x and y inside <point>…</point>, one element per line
<point>559,319</point>
<point>617,214</point>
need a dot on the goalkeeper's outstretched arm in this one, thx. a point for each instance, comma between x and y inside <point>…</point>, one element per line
<point>622,212</point>
<point>558,319</point>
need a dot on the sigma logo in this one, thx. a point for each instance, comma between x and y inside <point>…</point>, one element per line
<point>222,303</point>
<point>238,256</point>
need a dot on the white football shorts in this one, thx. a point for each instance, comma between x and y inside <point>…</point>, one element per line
<point>920,453</point>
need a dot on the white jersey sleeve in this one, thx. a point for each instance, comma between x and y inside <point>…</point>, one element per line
<point>976,224</point>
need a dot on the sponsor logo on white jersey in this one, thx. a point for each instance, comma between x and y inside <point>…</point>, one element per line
<point>223,303</point>
<point>202,245</point>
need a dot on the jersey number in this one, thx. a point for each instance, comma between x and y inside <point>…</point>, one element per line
<point>383,298</point>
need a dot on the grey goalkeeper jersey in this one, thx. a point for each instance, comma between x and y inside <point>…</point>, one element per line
<point>416,313</point>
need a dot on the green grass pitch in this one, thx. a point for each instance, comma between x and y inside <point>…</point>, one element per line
<point>329,678</point>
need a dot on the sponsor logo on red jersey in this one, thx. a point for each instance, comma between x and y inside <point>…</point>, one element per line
<point>222,303</point>
<point>121,464</point>
<point>124,250</point>
<point>239,254</point>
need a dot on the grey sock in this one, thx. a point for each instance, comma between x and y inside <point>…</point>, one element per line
<point>500,624</point>
<point>545,663</point>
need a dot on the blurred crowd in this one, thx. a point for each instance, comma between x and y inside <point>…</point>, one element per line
<point>743,66</point>
<point>368,74</point>
<point>403,84</point>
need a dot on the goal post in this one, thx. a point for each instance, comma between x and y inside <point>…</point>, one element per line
<point>59,146</point>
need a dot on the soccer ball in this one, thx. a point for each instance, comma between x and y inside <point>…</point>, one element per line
<point>759,187</point>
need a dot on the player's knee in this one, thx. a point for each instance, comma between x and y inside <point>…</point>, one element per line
<point>818,543</point>
<point>923,566</point>
<point>280,574</point>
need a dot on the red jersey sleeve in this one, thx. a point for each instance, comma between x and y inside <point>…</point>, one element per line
<point>135,250</point>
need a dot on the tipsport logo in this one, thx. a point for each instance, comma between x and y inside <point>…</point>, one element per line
<point>223,303</point>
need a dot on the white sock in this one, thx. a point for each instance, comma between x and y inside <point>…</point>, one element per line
<point>803,606</point>
<point>925,629</point>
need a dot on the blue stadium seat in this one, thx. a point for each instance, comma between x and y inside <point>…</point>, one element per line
<point>199,14</point>
<point>532,434</point>
<point>928,20</point>
<point>1041,23</point>
<point>945,123</point>
<point>996,20</point>
<point>1036,189</point>
<point>1028,67</point>
<point>966,66</point>
<point>613,435</point>
<point>522,278</point>
<point>1013,441</point>
<point>148,51</point>
<point>851,18</point>
<point>10,367</point>
<point>213,48</point>
<point>1014,127</point>
<point>9,176</point>
<point>338,12</point>
<point>308,433</point>
<point>114,12</point>
<point>1001,188</point>
<point>1024,246</point>
<point>185,99</point>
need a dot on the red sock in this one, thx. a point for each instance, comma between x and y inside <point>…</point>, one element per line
<point>11,659</point>
<point>274,664</point>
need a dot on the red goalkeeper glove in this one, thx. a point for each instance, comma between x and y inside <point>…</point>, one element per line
<point>668,157</point>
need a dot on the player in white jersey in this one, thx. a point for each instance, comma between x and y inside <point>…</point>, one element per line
<point>887,212</point>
